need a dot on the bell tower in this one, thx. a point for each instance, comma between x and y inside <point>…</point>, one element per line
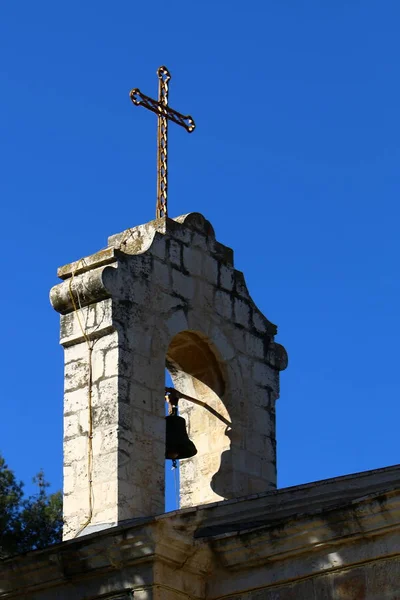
<point>163,294</point>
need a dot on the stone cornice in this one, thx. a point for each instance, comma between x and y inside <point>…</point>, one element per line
<point>279,552</point>
<point>98,555</point>
<point>325,537</point>
<point>285,503</point>
<point>99,259</point>
<point>251,545</point>
<point>92,285</point>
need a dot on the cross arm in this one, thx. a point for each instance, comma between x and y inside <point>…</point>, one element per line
<point>140,99</point>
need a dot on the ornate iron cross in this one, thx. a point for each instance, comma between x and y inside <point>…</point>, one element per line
<point>164,113</point>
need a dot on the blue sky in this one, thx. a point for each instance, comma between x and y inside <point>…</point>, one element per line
<point>295,161</point>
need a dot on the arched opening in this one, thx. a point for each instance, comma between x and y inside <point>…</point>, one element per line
<point>192,359</point>
<point>196,370</point>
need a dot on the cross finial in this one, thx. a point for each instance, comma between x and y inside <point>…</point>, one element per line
<point>165,113</point>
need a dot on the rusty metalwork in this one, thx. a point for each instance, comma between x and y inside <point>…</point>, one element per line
<point>165,113</point>
<point>172,397</point>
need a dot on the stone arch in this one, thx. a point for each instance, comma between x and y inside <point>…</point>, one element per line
<point>197,369</point>
<point>193,361</point>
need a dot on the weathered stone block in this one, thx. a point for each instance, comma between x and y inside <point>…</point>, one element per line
<point>94,320</point>
<point>226,279</point>
<point>210,270</point>
<point>111,363</point>
<point>76,375</point>
<point>193,261</point>
<point>225,346</point>
<point>242,312</point>
<point>154,427</point>
<point>75,449</point>
<point>261,397</point>
<point>199,241</point>
<point>268,470</point>
<point>255,346</point>
<point>142,266</point>
<point>69,479</point>
<point>77,352</point>
<point>182,284</point>
<point>260,420</point>
<point>175,253</point>
<point>264,375</point>
<point>158,248</point>
<point>140,398</point>
<point>105,392</point>
<point>97,364</point>
<point>240,285</point>
<point>349,585</point>
<point>162,274</point>
<point>105,414</point>
<point>177,322</point>
<point>75,401</point>
<point>71,426</point>
<point>259,322</point>
<point>110,340</point>
<point>105,468</point>
<point>224,304</point>
<point>140,291</point>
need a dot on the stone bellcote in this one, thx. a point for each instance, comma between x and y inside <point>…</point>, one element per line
<point>163,294</point>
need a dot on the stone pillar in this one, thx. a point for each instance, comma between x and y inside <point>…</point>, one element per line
<point>162,293</point>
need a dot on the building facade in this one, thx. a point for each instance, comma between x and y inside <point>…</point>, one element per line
<point>167,295</point>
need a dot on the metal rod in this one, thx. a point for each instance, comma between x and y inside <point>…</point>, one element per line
<point>170,390</point>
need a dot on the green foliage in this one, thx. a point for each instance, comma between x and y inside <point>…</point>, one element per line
<point>10,504</point>
<point>27,523</point>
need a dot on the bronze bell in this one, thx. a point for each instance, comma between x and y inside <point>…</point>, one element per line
<point>177,442</point>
